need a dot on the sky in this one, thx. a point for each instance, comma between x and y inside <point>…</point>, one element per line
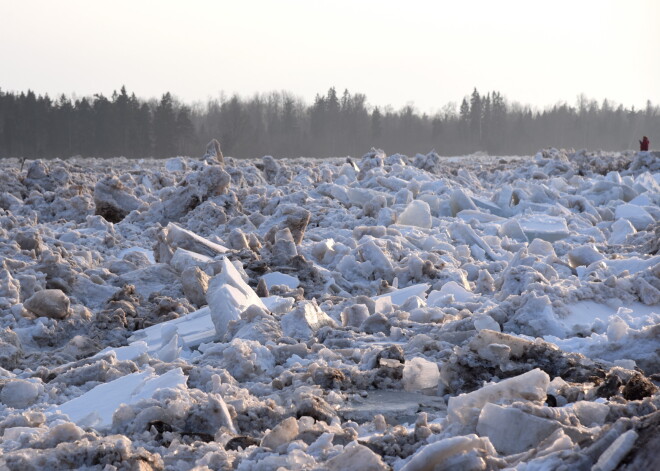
<point>424,53</point>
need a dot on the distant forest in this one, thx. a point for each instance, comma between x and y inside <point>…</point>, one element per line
<point>283,125</point>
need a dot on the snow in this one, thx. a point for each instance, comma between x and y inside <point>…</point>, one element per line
<point>387,312</point>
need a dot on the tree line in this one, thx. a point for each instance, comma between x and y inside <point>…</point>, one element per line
<point>283,125</point>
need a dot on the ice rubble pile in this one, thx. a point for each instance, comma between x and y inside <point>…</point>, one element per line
<point>387,313</point>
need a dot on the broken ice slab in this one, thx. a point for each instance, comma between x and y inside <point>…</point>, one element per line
<point>398,407</point>
<point>151,279</point>
<point>631,265</point>
<point>278,304</point>
<point>441,298</point>
<point>279,278</point>
<point>305,320</point>
<point>228,295</point>
<point>459,201</point>
<point>451,453</point>
<point>400,296</point>
<point>620,230</point>
<point>183,259</point>
<point>420,374</point>
<point>543,226</point>
<point>638,216</point>
<point>463,232</point>
<point>178,237</point>
<point>511,430</point>
<point>129,352</point>
<point>616,452</point>
<point>193,330</point>
<point>96,407</point>
<point>417,213</point>
<point>511,228</point>
<point>487,205</point>
<point>147,252</point>
<point>530,386</point>
<point>471,215</point>
<point>584,314</point>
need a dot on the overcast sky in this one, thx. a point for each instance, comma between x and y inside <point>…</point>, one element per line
<point>423,52</point>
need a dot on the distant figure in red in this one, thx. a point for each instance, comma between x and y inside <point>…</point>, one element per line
<point>644,144</point>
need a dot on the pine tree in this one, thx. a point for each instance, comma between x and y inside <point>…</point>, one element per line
<point>164,127</point>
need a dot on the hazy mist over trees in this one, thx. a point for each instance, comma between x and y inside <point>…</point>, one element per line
<point>283,125</point>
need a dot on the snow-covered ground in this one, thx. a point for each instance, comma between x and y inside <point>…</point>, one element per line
<point>387,312</point>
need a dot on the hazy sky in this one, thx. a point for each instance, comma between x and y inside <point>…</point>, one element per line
<point>425,52</point>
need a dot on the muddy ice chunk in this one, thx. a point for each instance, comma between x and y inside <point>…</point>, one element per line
<point>237,239</point>
<point>305,320</point>
<point>256,324</point>
<point>354,315</point>
<point>638,387</point>
<point>152,279</point>
<point>11,350</point>
<point>271,167</point>
<point>511,430</point>
<point>64,449</point>
<point>466,452</point>
<point>535,317</point>
<point>113,200</point>
<point>228,295</point>
<point>382,265</point>
<point>284,432</point>
<point>376,323</point>
<point>417,213</point>
<point>30,240</point>
<point>290,216</point>
<point>373,159</point>
<point>197,187</point>
<point>10,289</point>
<point>20,393</point>
<point>213,153</point>
<point>356,457</point>
<point>51,303</point>
<point>419,374</point>
<point>176,164</point>
<point>284,248</point>
<point>195,285</point>
<point>10,202</point>
<point>530,386</point>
